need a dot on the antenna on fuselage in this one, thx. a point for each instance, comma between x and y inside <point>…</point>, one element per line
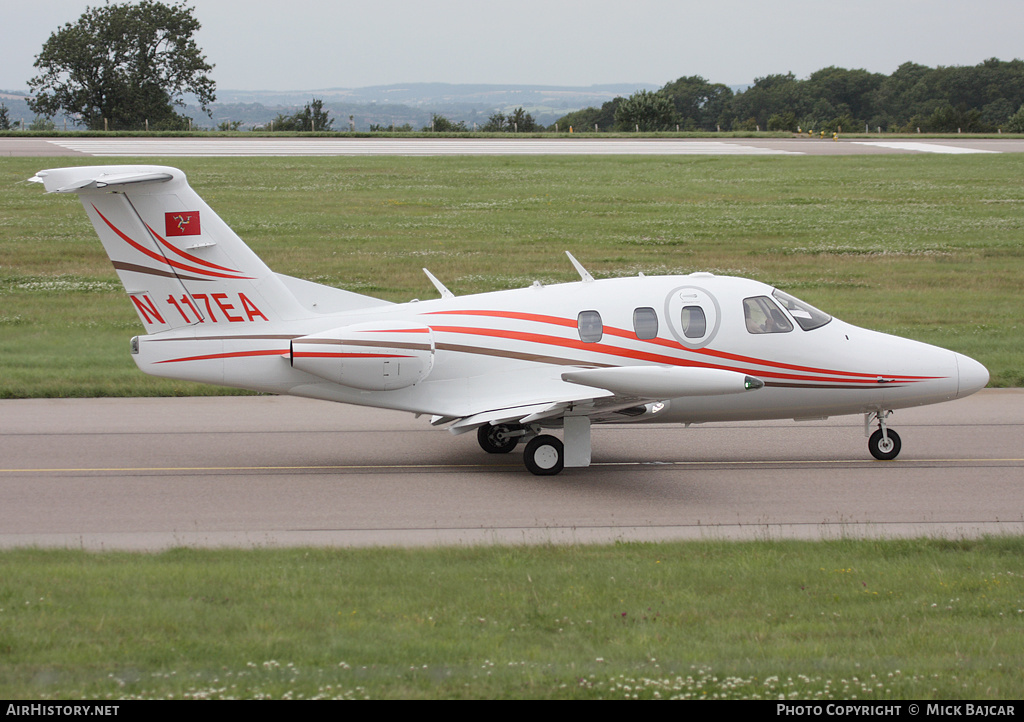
<point>441,288</point>
<point>584,276</point>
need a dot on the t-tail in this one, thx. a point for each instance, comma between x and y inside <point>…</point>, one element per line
<point>179,262</point>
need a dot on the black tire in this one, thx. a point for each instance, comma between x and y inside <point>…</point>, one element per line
<point>488,438</point>
<point>884,451</point>
<point>544,455</point>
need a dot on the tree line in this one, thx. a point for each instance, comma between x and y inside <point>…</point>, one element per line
<point>983,98</point>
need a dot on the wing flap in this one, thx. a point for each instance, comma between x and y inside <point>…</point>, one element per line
<point>530,412</point>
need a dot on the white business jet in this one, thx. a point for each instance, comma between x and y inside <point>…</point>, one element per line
<point>510,365</point>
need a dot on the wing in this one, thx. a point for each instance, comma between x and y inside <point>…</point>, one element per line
<point>623,393</point>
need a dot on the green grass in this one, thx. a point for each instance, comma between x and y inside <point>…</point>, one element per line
<point>928,247</point>
<point>910,619</point>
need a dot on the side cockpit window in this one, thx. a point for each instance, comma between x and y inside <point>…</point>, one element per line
<point>590,326</point>
<point>645,323</point>
<point>762,316</point>
<point>805,314</point>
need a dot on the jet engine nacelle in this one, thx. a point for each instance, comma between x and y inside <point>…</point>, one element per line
<point>368,356</point>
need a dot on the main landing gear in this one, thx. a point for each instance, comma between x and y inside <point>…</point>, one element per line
<point>499,439</point>
<point>544,455</point>
<point>884,444</point>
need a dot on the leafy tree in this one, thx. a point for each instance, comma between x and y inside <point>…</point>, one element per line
<point>947,119</point>
<point>518,121</point>
<point>783,121</point>
<point>586,119</point>
<point>699,105</point>
<point>1016,122</point>
<point>850,93</point>
<point>998,112</point>
<point>495,124</point>
<point>770,95</point>
<point>899,94</point>
<point>125,63</point>
<point>440,124</point>
<point>645,110</point>
<point>42,123</point>
<point>311,118</point>
<point>5,121</point>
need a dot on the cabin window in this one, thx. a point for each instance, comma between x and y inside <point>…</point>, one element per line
<point>590,326</point>
<point>694,322</point>
<point>645,323</point>
<point>763,316</point>
<point>805,314</point>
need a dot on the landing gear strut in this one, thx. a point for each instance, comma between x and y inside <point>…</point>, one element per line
<point>884,444</point>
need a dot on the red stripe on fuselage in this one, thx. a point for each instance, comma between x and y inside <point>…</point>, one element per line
<point>228,354</point>
<point>776,369</point>
<point>644,356</point>
<point>338,354</point>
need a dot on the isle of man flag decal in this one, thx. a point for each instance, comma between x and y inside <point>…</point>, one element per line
<point>182,223</point>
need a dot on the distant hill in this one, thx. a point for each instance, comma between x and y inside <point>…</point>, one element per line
<point>415,103</point>
<point>399,104</point>
<point>495,97</point>
<point>17,108</point>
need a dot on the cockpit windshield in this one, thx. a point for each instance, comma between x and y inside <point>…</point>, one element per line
<point>804,314</point>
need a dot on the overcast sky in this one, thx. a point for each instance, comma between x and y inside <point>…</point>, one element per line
<point>318,44</point>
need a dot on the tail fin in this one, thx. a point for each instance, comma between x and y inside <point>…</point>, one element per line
<point>179,262</point>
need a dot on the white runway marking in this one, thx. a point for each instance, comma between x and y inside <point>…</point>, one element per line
<point>413,147</point>
<point>924,147</point>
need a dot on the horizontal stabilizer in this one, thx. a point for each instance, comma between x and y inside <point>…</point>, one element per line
<point>664,382</point>
<point>65,180</point>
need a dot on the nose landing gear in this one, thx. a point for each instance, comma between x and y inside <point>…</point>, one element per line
<point>884,444</point>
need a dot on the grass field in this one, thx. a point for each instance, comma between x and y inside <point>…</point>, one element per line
<point>926,247</point>
<point>839,619</point>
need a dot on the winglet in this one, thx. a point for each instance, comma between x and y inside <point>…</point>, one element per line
<point>441,288</point>
<point>584,276</point>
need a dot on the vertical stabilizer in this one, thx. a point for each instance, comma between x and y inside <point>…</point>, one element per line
<point>179,262</point>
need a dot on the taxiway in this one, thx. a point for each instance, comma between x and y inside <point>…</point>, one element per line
<point>277,471</point>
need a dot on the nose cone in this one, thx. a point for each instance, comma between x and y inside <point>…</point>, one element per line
<point>971,376</point>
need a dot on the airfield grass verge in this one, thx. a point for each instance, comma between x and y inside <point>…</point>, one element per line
<point>844,619</point>
<point>928,247</point>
